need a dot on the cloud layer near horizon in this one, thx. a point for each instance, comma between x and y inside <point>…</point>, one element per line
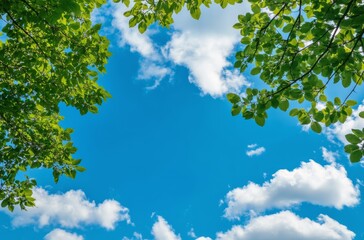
<point>284,225</point>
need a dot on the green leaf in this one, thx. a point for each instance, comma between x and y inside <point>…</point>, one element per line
<point>346,82</point>
<point>284,105</point>
<point>351,102</point>
<point>28,192</point>
<point>350,148</point>
<point>235,110</point>
<point>260,120</point>
<point>76,161</point>
<point>142,27</point>
<point>255,8</point>
<point>319,116</point>
<point>337,101</point>
<point>358,133</point>
<point>80,169</point>
<point>316,127</point>
<point>294,112</point>
<point>255,71</point>
<point>5,202</point>
<point>233,98</point>
<point>287,28</point>
<point>352,138</point>
<point>323,98</point>
<point>246,40</point>
<point>195,13</point>
<point>361,114</point>
<point>356,156</point>
<point>126,2</point>
<point>248,114</point>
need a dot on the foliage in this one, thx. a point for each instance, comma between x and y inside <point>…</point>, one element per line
<point>297,48</point>
<point>49,54</point>
<point>145,12</point>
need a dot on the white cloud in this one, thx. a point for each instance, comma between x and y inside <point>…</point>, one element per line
<point>286,226</point>
<point>140,43</point>
<point>203,46</point>
<point>255,152</point>
<point>203,238</point>
<point>311,182</point>
<point>254,145</point>
<point>152,62</point>
<point>329,156</point>
<point>71,210</point>
<point>150,70</point>
<point>59,234</point>
<point>161,230</point>
<point>339,130</point>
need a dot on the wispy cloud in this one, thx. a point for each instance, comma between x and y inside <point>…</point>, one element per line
<point>254,145</point>
<point>329,156</point>
<point>311,182</point>
<point>71,210</point>
<point>254,150</point>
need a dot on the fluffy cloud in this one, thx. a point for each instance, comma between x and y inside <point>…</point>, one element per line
<point>161,230</point>
<point>203,49</point>
<point>203,46</point>
<point>254,150</point>
<point>286,226</point>
<point>311,182</point>
<point>329,156</point>
<point>70,209</point>
<point>339,130</point>
<point>59,234</point>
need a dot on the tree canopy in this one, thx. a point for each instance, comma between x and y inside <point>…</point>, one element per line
<point>297,48</point>
<point>50,53</point>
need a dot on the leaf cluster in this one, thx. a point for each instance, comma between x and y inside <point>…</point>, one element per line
<point>298,48</point>
<point>355,147</point>
<point>51,54</point>
<point>143,13</point>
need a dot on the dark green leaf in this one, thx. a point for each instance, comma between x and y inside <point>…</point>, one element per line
<point>352,138</point>
<point>356,156</point>
<point>260,120</point>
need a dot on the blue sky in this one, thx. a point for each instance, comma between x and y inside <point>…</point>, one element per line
<point>165,159</point>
